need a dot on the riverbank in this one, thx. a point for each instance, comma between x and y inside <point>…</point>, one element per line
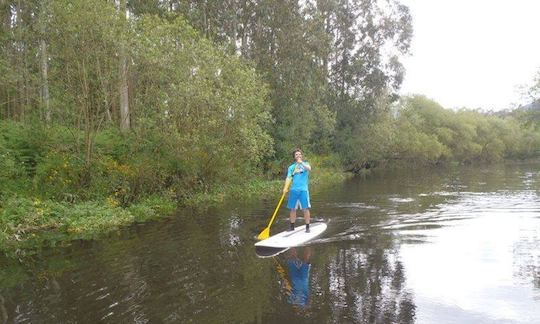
<point>28,224</point>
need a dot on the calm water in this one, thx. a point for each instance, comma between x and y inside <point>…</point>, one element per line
<point>448,246</point>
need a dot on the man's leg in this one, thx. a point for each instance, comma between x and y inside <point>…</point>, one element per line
<point>292,218</point>
<point>292,204</point>
<point>307,218</point>
<point>304,202</point>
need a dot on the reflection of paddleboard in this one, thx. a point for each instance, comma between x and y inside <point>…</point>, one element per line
<point>266,252</point>
<point>297,237</point>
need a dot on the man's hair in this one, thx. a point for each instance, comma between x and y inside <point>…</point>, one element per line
<point>296,150</point>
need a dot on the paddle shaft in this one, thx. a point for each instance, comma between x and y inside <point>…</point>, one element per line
<point>275,211</point>
<point>266,232</point>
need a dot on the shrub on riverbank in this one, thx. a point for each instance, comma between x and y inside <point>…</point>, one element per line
<point>49,198</point>
<point>50,194</point>
<point>31,222</point>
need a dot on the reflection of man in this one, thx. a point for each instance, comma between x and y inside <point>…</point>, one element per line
<point>299,277</point>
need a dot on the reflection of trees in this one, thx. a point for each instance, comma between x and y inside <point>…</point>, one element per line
<point>16,277</point>
<point>189,270</point>
<point>366,285</point>
<point>3,310</point>
<point>226,279</point>
<point>363,280</point>
<point>362,283</point>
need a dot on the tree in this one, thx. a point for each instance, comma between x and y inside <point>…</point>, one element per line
<point>363,75</point>
<point>84,70</point>
<point>21,80</point>
<point>44,19</point>
<point>123,71</point>
<point>207,109</point>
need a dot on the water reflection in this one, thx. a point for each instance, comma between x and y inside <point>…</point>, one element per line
<point>3,310</point>
<point>359,284</point>
<point>366,285</point>
<point>454,246</point>
<point>297,285</point>
<point>266,252</point>
<point>478,256</point>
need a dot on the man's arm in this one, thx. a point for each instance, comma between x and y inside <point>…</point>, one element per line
<point>287,184</point>
<point>306,166</point>
<point>288,181</point>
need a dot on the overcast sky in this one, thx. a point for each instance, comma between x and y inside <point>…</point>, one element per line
<point>473,53</point>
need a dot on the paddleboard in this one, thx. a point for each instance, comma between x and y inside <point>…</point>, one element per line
<point>297,237</point>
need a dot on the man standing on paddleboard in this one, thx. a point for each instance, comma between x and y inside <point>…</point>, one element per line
<point>298,198</point>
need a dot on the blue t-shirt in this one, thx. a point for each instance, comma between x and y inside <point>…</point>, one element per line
<point>300,180</point>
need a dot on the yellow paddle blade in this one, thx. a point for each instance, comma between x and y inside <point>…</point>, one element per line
<point>264,234</point>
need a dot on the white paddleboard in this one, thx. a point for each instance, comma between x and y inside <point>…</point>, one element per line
<point>297,237</point>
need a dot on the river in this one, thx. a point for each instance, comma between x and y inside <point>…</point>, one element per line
<point>455,245</point>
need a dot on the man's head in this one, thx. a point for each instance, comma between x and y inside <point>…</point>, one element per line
<point>297,154</point>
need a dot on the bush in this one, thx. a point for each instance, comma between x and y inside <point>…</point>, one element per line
<point>9,172</point>
<point>58,176</point>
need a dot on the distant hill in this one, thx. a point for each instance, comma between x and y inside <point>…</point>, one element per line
<point>532,106</point>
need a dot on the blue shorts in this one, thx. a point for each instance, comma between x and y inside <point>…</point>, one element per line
<point>298,199</point>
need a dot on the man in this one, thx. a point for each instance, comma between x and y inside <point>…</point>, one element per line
<point>298,173</point>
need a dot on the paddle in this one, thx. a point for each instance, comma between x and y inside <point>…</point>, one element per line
<point>266,232</point>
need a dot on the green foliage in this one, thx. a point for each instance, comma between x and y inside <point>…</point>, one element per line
<point>24,142</point>
<point>20,152</point>
<point>428,132</point>
<point>58,175</point>
<point>84,38</point>
<point>10,172</point>
<point>25,221</point>
<point>207,108</point>
<point>152,207</point>
<point>374,140</point>
<point>416,146</point>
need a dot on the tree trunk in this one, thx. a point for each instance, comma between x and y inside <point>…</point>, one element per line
<point>124,94</point>
<point>20,54</point>
<point>206,20</point>
<point>45,81</point>
<point>44,65</point>
<point>6,51</point>
<point>234,28</point>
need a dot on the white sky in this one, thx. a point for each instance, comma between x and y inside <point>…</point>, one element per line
<point>473,53</point>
